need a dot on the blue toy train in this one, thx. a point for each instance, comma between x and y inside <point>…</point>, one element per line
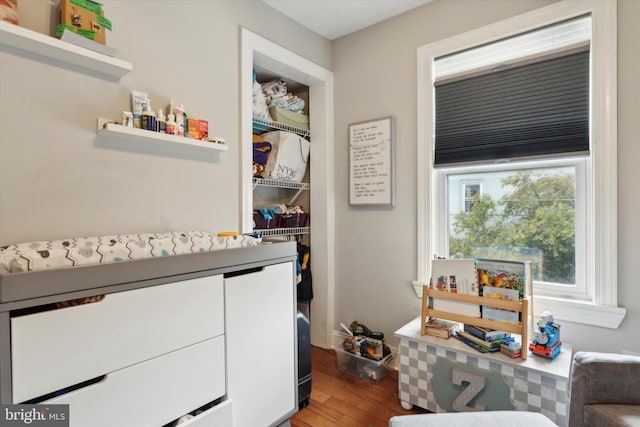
<point>546,337</point>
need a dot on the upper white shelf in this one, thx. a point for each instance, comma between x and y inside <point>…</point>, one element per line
<point>41,44</point>
<point>122,132</point>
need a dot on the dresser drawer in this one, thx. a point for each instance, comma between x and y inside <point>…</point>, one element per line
<point>59,348</point>
<point>151,393</point>
<point>218,416</point>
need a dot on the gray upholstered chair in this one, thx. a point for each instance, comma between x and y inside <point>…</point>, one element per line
<point>605,391</point>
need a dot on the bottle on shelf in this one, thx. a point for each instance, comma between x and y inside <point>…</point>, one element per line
<point>180,120</point>
<point>171,124</point>
<point>161,122</point>
<point>148,118</point>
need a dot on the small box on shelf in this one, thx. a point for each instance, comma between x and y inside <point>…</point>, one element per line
<point>290,118</point>
<point>85,18</point>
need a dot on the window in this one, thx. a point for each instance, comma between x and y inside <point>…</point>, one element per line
<point>470,193</point>
<point>528,211</point>
<point>532,173</point>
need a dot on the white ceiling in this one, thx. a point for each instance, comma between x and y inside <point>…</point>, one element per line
<point>335,18</point>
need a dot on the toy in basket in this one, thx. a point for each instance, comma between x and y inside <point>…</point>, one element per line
<point>364,354</point>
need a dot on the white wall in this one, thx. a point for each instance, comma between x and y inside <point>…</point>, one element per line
<point>57,180</point>
<point>375,74</point>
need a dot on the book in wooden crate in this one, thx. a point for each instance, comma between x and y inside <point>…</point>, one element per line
<point>487,345</point>
<point>486,334</point>
<point>455,276</point>
<point>439,327</point>
<point>501,279</point>
<point>511,349</point>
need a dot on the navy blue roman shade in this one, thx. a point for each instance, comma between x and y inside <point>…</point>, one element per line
<point>539,108</point>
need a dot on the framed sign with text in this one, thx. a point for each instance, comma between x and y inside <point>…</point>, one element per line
<point>372,163</point>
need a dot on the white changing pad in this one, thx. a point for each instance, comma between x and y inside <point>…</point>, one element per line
<point>35,256</point>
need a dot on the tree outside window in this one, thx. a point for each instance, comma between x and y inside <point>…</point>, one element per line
<point>529,215</point>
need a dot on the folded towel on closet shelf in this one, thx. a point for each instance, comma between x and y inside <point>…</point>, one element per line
<point>43,255</point>
<point>276,95</point>
<point>274,89</point>
<point>294,210</point>
<point>289,102</point>
<point>260,108</point>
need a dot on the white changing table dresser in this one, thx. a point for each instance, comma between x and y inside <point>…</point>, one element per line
<point>441,375</point>
<point>213,332</point>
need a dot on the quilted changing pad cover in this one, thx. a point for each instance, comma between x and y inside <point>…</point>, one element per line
<point>34,256</point>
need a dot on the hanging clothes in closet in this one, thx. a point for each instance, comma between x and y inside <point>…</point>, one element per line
<point>305,287</point>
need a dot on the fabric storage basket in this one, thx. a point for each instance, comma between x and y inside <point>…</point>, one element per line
<point>293,220</point>
<point>262,223</point>
<point>291,118</point>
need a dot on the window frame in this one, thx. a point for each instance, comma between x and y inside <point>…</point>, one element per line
<point>601,308</point>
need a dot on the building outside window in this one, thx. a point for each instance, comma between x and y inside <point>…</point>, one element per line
<point>471,191</point>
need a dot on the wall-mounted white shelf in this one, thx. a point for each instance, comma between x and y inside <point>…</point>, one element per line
<point>122,132</point>
<point>50,47</point>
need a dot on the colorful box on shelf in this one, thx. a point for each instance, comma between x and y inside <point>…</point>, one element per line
<point>83,17</point>
<point>284,116</point>
<point>9,11</point>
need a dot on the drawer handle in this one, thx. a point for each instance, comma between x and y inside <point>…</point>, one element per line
<point>243,272</point>
<point>65,390</point>
<point>80,301</point>
<point>57,305</point>
<point>193,414</point>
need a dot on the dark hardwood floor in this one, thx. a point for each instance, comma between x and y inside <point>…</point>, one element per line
<point>341,399</point>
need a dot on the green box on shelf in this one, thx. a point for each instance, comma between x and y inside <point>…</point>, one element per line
<point>291,118</point>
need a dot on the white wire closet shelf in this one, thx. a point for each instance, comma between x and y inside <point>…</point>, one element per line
<point>267,232</point>
<point>263,125</point>
<point>279,183</point>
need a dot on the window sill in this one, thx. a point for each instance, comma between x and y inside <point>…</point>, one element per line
<point>582,312</point>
